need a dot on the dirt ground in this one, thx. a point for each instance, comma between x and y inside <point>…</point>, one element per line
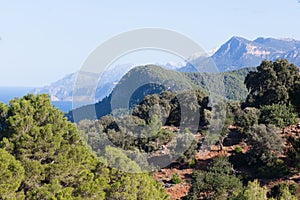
<point>177,191</point>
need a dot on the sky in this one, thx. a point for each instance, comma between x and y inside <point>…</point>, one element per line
<point>41,41</point>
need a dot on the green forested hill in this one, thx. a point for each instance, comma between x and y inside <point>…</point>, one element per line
<point>151,79</point>
<point>235,88</point>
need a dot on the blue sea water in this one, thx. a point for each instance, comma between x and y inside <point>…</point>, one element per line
<point>9,93</point>
<point>64,106</point>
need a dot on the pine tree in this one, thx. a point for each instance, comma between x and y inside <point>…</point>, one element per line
<point>11,176</point>
<point>254,192</point>
<point>45,157</point>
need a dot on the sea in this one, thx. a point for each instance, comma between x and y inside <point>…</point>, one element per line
<point>9,93</point>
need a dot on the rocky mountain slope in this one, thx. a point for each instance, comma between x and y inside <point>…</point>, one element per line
<point>239,52</point>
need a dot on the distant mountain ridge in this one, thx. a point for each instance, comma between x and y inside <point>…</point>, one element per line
<point>62,90</point>
<point>239,52</point>
<point>235,54</point>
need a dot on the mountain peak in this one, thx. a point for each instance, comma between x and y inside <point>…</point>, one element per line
<point>238,52</point>
<point>237,39</point>
<point>235,45</point>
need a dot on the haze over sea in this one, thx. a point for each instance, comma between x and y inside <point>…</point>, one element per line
<point>9,93</point>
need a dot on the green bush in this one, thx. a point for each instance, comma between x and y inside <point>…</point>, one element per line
<point>238,149</point>
<point>266,144</point>
<point>273,170</point>
<point>176,179</point>
<point>218,182</point>
<point>254,191</point>
<point>294,152</point>
<point>247,119</point>
<point>284,191</point>
<point>278,115</point>
<point>192,163</point>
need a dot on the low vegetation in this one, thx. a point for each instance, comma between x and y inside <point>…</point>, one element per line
<point>45,156</point>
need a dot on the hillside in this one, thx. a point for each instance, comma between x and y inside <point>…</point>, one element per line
<point>202,160</point>
<point>255,155</point>
<point>151,79</point>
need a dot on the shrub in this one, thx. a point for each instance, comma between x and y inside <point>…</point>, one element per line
<point>273,170</point>
<point>294,152</point>
<point>278,115</point>
<point>247,119</point>
<point>255,192</point>
<point>284,191</point>
<point>266,144</point>
<point>192,163</point>
<point>238,149</point>
<point>218,182</point>
<point>176,179</point>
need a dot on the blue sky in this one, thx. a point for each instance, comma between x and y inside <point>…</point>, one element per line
<point>41,41</point>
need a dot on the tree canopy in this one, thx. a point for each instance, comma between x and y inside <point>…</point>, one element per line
<point>11,175</point>
<point>273,83</point>
<point>43,156</point>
